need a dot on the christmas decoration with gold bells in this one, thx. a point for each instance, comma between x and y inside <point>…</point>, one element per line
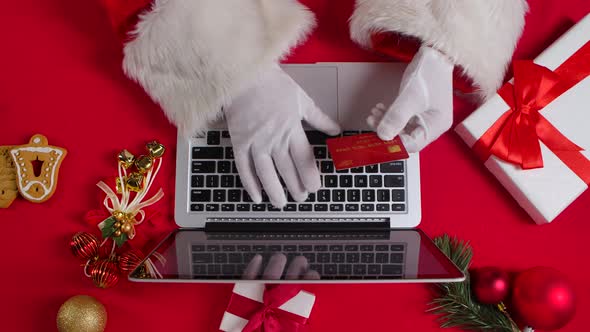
<point>134,180</point>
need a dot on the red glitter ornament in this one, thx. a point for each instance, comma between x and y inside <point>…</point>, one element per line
<point>129,260</point>
<point>543,298</point>
<point>104,273</point>
<point>490,285</point>
<point>84,245</point>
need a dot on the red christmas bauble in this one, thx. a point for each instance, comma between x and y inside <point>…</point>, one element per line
<point>490,285</point>
<point>104,273</point>
<point>84,245</point>
<point>543,298</point>
<point>129,260</point>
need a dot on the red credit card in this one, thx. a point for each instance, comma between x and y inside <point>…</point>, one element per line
<point>364,149</point>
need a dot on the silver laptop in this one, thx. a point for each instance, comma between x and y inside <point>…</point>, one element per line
<point>355,228</point>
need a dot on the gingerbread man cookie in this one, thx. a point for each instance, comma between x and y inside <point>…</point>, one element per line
<point>37,185</point>
<point>8,189</point>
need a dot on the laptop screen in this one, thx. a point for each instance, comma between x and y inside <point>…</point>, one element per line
<point>386,256</point>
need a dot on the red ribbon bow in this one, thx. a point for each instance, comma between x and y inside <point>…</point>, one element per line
<point>267,316</point>
<point>515,136</point>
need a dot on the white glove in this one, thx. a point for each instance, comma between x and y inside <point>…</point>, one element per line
<point>424,108</point>
<point>265,127</point>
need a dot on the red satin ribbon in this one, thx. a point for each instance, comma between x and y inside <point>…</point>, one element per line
<point>515,136</point>
<point>267,316</point>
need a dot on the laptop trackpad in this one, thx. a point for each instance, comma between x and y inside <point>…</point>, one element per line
<point>321,84</point>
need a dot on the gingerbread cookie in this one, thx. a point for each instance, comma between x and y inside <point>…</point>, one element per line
<point>37,184</point>
<point>8,189</point>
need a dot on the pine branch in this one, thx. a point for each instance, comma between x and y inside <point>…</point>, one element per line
<point>455,303</point>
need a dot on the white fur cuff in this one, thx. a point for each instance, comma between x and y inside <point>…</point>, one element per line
<point>478,35</point>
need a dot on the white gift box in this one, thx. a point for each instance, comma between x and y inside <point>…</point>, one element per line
<point>543,192</point>
<point>300,305</point>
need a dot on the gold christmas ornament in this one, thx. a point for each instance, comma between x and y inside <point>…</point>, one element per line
<point>155,149</point>
<point>126,227</point>
<point>135,182</point>
<point>126,158</point>
<point>144,163</point>
<point>81,313</point>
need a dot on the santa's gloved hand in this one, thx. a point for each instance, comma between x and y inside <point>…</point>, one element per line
<point>266,131</point>
<point>424,108</point>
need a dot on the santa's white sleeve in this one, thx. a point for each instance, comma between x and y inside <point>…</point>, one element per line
<point>194,56</point>
<point>478,35</point>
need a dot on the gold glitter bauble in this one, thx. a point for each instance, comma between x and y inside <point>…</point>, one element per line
<point>81,313</point>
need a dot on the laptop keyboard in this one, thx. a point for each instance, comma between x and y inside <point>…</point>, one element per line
<point>216,186</point>
<point>338,260</point>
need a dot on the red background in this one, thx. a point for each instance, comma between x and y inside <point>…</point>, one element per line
<point>61,77</point>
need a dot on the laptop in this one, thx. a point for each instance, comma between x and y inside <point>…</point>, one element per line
<point>357,227</point>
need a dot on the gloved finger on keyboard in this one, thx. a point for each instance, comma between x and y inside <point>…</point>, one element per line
<point>275,267</point>
<point>245,167</point>
<point>305,162</point>
<point>288,172</point>
<point>252,270</point>
<point>297,268</point>
<point>320,120</point>
<point>265,169</point>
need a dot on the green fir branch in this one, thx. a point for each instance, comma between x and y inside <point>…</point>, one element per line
<point>455,304</point>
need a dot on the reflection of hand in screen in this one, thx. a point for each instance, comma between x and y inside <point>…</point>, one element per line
<point>298,269</point>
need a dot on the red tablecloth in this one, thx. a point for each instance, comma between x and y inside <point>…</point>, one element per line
<point>61,77</point>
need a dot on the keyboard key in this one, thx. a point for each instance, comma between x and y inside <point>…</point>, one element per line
<point>367,207</point>
<point>353,195</point>
<point>397,247</point>
<point>225,134</point>
<point>396,258</point>
<point>368,195</point>
<point>244,248</point>
<point>228,208</point>
<point>227,181</point>
<point>382,207</point>
<point>203,167</point>
<point>228,269</point>
<point>330,181</point>
<point>367,257</point>
<point>336,207</point>
<point>243,207</point>
<point>199,270</point>
<point>197,207</point>
<point>398,195</point>
<point>392,167</point>
<point>351,247</point>
<point>224,166</point>
<point>394,181</point>
<point>390,269</point>
<point>336,247</point>
<point>202,258</point>
<point>359,269</point>
<point>213,138</point>
<point>352,257</point>
<point>351,207</point>
<point>316,137</point>
<point>310,256</point>
<point>202,152</point>
<point>320,152</point>
<point>305,247</point>
<point>398,207</point>
<point>338,195</point>
<point>271,208</point>
<point>372,169</point>
<point>213,269</point>
<point>375,181</point>
<point>238,182</point>
<point>259,248</point>
<point>342,171</point>
<point>382,247</point>
<point>360,181</point>
<point>259,207</point>
<point>290,198</point>
<point>229,152</point>
<point>383,195</point>
<point>320,207</point>
<point>345,269</point>
<point>320,247</point>
<point>382,257</point>
<point>197,181</point>
<point>219,195</point>
<point>228,247</point>
<point>310,198</point>
<point>275,248</point>
<point>305,207</point>
<point>212,207</point>
<point>323,257</point>
<point>338,257</point>
<point>366,247</point>
<point>234,168</point>
<point>330,269</point>
<point>290,247</point>
<point>317,267</point>
<point>200,195</point>
<point>246,197</point>
<point>198,247</point>
<point>374,269</point>
<point>234,195</point>
<point>323,195</point>
<point>327,167</point>
<point>290,208</point>
<point>212,181</point>
<point>357,170</point>
<point>220,257</point>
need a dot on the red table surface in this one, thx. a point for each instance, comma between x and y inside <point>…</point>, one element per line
<point>61,77</point>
